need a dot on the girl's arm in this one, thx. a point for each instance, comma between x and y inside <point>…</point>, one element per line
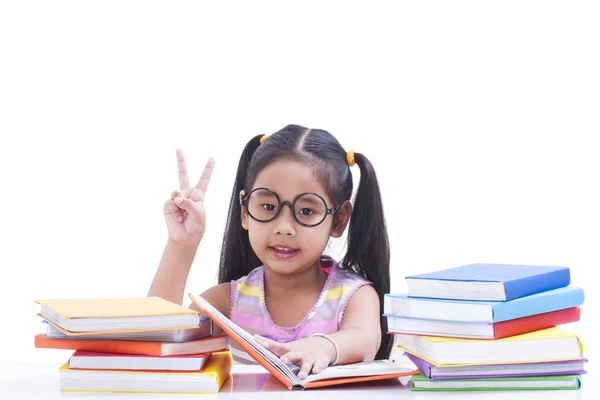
<point>171,277</point>
<point>185,218</point>
<point>172,273</point>
<point>360,336</point>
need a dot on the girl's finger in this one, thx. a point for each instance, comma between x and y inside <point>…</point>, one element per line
<point>202,184</point>
<point>184,182</point>
<point>290,357</point>
<point>176,193</point>
<point>305,369</point>
<point>274,347</point>
<point>319,365</point>
<point>171,208</point>
<point>189,206</point>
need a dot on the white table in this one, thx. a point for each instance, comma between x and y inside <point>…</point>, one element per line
<point>27,381</point>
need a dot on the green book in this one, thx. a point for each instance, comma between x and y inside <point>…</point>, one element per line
<point>561,382</point>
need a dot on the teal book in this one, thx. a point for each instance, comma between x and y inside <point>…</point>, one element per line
<point>565,382</point>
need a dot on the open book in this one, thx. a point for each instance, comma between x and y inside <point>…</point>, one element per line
<point>287,373</point>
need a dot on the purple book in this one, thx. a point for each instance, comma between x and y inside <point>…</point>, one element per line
<point>570,367</point>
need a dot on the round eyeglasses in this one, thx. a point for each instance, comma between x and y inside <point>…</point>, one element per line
<point>309,209</point>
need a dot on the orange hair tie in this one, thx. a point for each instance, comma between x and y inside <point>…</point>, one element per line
<point>350,158</point>
<point>262,139</point>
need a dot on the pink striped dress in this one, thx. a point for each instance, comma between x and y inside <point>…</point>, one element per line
<point>249,311</point>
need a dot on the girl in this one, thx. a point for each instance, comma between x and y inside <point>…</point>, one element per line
<point>291,194</point>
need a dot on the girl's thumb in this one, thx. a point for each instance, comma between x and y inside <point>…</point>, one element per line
<point>183,203</point>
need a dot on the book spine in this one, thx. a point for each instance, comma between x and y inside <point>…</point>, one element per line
<point>537,284</point>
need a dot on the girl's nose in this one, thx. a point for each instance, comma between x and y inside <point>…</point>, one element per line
<point>284,223</point>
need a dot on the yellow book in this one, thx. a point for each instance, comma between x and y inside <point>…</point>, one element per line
<point>551,344</point>
<point>207,380</point>
<point>96,316</point>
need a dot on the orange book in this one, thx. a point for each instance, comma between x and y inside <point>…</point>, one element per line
<point>205,345</point>
<point>333,375</point>
<point>94,316</point>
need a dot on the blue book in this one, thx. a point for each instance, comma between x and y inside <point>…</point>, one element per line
<point>494,282</point>
<point>484,312</point>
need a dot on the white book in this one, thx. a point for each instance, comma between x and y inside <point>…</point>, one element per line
<point>552,344</point>
<point>114,361</point>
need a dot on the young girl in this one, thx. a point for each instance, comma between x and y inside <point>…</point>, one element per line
<point>291,194</point>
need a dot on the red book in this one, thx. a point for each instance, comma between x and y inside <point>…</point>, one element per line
<point>535,322</point>
<point>474,330</point>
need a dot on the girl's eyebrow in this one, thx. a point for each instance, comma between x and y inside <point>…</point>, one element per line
<point>263,194</point>
<point>260,193</point>
<point>311,199</point>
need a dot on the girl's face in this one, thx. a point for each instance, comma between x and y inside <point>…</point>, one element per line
<point>282,244</point>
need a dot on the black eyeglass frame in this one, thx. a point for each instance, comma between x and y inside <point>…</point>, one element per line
<point>291,205</point>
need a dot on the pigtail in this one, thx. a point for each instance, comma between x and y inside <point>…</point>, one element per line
<point>368,245</point>
<point>237,257</point>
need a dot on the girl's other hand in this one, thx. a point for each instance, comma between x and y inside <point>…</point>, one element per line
<point>184,211</point>
<point>312,354</point>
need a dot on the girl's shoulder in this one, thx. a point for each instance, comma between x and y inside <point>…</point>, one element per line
<point>346,276</point>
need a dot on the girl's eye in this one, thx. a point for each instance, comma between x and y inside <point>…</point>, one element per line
<point>269,207</point>
<point>305,212</point>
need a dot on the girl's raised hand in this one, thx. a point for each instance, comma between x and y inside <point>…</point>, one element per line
<point>184,211</point>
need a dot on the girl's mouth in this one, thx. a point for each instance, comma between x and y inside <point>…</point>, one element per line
<point>283,252</point>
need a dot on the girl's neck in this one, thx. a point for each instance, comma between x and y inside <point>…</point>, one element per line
<point>279,285</point>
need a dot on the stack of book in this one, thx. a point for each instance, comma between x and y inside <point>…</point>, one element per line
<point>489,327</point>
<point>137,345</point>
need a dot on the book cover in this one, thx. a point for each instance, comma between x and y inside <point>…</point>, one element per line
<point>472,330</point>
<point>204,345</point>
<point>286,374</point>
<point>552,344</point>
<point>569,367</point>
<point>534,323</point>
<point>94,316</point>
<point>401,305</point>
<point>562,382</point>
<point>511,280</point>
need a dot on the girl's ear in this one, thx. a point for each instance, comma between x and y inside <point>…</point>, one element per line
<point>244,212</point>
<point>341,219</point>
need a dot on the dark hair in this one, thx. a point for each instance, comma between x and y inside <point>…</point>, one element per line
<point>368,251</point>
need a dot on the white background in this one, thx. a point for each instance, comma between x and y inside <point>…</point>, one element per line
<point>481,120</point>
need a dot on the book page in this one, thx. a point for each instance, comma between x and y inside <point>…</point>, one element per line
<point>365,368</point>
